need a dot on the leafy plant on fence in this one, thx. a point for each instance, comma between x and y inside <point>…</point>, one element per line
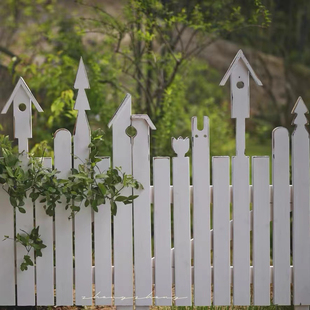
<point>29,241</point>
<point>87,185</point>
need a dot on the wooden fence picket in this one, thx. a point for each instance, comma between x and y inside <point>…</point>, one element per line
<point>281,217</point>
<point>162,231</point>
<point>301,202</point>
<point>261,230</point>
<point>7,255</point>
<point>201,213</point>
<point>45,264</point>
<point>221,231</point>
<point>123,252</point>
<point>26,278</point>
<point>181,222</point>
<point>241,230</point>
<point>142,209</point>
<point>103,247</point>
<point>63,225</point>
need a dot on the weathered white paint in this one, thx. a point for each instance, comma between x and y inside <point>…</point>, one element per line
<point>63,225</point>
<point>103,246</point>
<point>142,211</point>
<point>162,230</point>
<point>201,213</point>
<point>45,264</point>
<point>181,222</point>
<point>221,231</point>
<point>123,253</point>
<point>301,202</point>
<point>281,215</point>
<point>261,230</point>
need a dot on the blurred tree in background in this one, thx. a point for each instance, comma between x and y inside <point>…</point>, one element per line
<point>149,49</point>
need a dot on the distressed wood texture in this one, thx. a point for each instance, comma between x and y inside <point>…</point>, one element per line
<point>142,209</point>
<point>261,230</point>
<point>201,213</point>
<point>63,225</point>
<point>103,247</point>
<point>281,216</point>
<point>162,231</point>
<point>241,230</point>
<point>301,218</point>
<point>45,264</point>
<point>181,222</point>
<point>123,253</point>
<point>221,231</point>
<point>7,257</point>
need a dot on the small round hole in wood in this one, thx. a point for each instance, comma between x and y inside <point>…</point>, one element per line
<point>22,107</point>
<point>131,131</point>
<point>240,84</point>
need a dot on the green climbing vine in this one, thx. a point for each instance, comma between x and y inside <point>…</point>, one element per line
<point>86,186</point>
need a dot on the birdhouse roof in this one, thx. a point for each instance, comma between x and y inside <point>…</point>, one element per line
<point>144,117</point>
<point>127,100</point>
<point>234,63</point>
<point>21,83</point>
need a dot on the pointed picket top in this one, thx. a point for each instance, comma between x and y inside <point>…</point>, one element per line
<point>81,102</point>
<point>300,109</point>
<point>234,63</point>
<point>146,118</point>
<point>21,84</point>
<point>81,80</point>
<point>125,102</point>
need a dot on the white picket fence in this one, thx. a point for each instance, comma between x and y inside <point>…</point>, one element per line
<point>125,273</point>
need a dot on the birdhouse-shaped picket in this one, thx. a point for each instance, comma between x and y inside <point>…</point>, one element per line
<point>239,72</point>
<point>22,98</point>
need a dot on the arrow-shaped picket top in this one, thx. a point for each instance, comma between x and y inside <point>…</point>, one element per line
<point>81,80</point>
<point>81,83</point>
<point>234,64</point>
<point>300,109</point>
<point>21,84</point>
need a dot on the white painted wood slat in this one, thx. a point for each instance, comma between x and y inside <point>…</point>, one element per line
<point>221,231</point>
<point>162,231</point>
<point>103,247</point>
<point>82,220</point>
<point>201,213</point>
<point>241,230</point>
<point>142,212</point>
<point>7,256</point>
<point>261,230</point>
<point>63,225</point>
<point>123,252</point>
<point>281,217</point>
<point>45,264</point>
<point>181,221</point>
<point>301,203</point>
<point>25,279</point>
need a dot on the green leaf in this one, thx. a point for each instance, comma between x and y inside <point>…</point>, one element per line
<point>102,188</point>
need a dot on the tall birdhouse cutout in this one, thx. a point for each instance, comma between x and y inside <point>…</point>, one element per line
<point>22,98</point>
